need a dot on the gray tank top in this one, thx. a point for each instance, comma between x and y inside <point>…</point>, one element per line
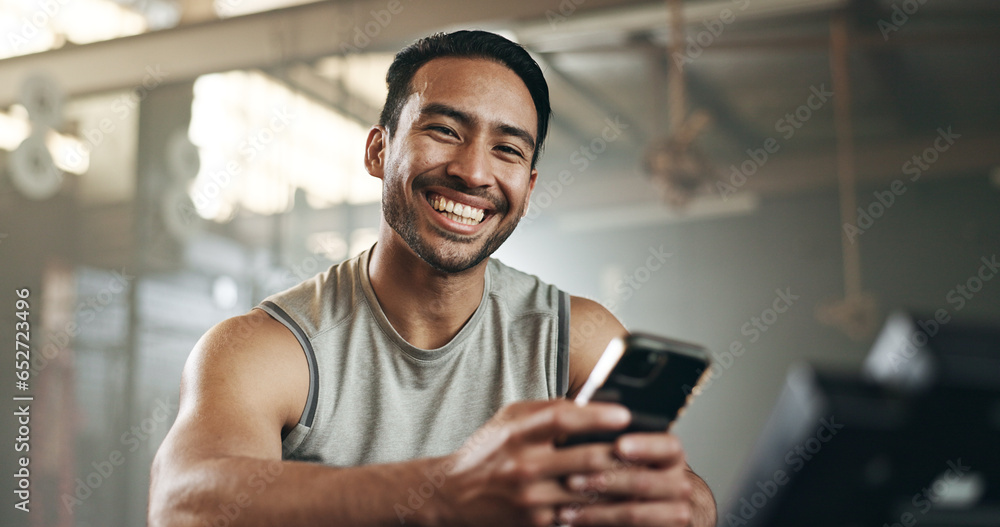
<point>374,398</point>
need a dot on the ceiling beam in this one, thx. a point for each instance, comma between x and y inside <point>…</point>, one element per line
<point>819,43</point>
<point>879,163</point>
<point>263,40</point>
<point>787,174</point>
<point>599,102</point>
<point>915,97</point>
<point>615,28</point>
<point>303,79</point>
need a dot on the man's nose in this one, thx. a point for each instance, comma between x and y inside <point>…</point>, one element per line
<point>471,164</point>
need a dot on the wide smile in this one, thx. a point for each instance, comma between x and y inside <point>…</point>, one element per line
<point>455,215</point>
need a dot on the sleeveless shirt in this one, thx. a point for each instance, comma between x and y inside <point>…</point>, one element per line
<point>374,398</point>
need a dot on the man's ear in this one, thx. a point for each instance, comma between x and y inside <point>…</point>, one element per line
<point>533,178</point>
<point>375,147</point>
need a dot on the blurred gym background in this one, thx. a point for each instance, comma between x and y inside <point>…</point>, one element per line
<point>770,178</point>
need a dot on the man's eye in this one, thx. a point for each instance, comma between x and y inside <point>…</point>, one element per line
<point>511,150</point>
<point>443,130</point>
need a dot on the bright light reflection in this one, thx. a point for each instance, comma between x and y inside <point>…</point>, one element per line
<point>32,26</point>
<point>68,153</point>
<point>259,141</point>
<point>14,127</point>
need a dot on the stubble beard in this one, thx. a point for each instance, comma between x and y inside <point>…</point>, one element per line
<point>446,258</point>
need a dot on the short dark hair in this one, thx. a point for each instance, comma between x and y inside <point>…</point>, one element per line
<point>466,44</point>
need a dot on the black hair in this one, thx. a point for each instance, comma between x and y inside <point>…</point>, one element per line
<point>466,44</point>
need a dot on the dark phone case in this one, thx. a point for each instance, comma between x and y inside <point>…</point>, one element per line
<point>657,397</point>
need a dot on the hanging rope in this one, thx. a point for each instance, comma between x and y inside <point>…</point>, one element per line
<point>839,49</point>
<point>675,74</point>
<point>857,313</point>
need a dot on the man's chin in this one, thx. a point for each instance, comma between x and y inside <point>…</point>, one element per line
<point>450,261</point>
<point>447,251</point>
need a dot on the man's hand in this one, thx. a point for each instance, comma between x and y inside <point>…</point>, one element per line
<point>651,486</point>
<point>511,472</point>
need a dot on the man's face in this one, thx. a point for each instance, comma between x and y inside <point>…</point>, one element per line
<point>457,172</point>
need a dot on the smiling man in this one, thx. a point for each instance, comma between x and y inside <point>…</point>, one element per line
<point>422,382</point>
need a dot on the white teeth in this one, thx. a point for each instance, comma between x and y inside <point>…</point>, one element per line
<point>457,211</point>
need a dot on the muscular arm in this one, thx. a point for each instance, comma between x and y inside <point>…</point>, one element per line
<point>245,381</point>
<point>591,328</point>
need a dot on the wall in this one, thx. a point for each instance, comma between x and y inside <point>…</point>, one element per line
<point>725,271</point>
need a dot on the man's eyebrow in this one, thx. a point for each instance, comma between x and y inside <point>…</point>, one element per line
<point>436,108</point>
<point>520,133</point>
<point>469,120</point>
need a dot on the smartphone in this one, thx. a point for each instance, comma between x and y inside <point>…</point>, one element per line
<point>654,377</point>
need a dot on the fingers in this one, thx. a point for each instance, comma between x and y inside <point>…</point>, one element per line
<point>545,422</point>
<point>635,482</point>
<point>593,458</point>
<point>632,514</point>
<point>656,449</point>
<point>652,467</point>
<point>547,493</point>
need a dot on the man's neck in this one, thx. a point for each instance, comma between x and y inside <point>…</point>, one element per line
<point>425,306</point>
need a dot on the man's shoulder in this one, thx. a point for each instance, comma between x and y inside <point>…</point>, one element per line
<point>319,301</point>
<point>250,331</point>
<point>250,361</point>
<point>520,287</point>
<point>508,275</point>
<point>244,346</point>
<point>592,326</point>
<point>303,281</point>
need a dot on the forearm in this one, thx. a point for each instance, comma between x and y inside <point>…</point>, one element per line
<point>702,502</point>
<point>248,492</point>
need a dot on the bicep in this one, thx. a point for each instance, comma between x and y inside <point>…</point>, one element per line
<point>240,387</point>
<point>592,327</point>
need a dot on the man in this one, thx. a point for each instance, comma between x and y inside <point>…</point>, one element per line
<point>424,378</point>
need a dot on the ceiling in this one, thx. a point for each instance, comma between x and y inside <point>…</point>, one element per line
<point>753,66</point>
